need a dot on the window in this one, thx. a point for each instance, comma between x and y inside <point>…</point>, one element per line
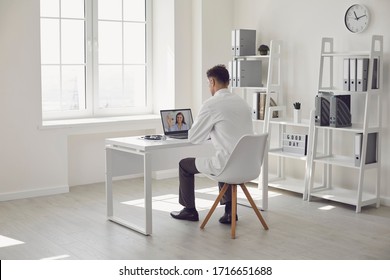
<point>94,58</point>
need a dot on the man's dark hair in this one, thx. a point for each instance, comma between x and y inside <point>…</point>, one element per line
<point>220,73</point>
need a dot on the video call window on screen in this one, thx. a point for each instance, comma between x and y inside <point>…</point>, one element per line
<point>176,120</point>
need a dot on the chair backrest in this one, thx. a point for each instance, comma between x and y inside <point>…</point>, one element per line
<point>245,161</point>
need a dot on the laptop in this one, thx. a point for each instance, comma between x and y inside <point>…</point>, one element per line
<point>176,122</point>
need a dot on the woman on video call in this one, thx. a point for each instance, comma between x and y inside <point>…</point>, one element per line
<point>180,123</point>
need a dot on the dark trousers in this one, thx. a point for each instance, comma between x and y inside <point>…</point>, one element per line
<point>187,171</point>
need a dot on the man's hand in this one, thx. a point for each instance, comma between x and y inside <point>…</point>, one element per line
<point>169,121</point>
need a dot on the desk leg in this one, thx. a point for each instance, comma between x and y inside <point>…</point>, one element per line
<point>148,193</point>
<point>109,197</point>
<point>264,183</point>
<point>147,230</point>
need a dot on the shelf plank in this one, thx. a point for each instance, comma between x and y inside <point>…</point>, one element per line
<point>344,196</point>
<point>352,54</point>
<point>338,91</point>
<point>288,184</point>
<point>262,89</point>
<point>344,161</point>
<point>355,128</point>
<point>249,57</point>
<point>337,160</point>
<point>279,152</point>
<point>290,122</point>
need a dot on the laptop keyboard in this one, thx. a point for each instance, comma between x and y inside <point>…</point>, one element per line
<point>179,136</point>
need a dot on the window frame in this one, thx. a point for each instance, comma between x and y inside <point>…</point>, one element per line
<point>92,109</point>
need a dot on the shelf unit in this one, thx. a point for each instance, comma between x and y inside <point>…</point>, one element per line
<point>370,122</point>
<point>273,89</point>
<point>283,125</point>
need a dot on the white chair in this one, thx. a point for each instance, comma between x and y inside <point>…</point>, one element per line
<point>242,166</point>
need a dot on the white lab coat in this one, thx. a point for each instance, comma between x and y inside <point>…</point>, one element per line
<point>224,118</point>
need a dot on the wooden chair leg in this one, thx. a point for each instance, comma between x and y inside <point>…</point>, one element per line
<point>234,211</point>
<point>219,197</point>
<point>249,197</point>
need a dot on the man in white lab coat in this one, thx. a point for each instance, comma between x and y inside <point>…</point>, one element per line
<point>224,118</point>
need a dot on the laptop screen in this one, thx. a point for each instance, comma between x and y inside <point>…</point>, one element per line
<point>176,121</point>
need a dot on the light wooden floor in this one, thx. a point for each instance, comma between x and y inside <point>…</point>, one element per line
<point>74,226</point>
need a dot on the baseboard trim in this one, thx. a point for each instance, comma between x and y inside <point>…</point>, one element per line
<point>34,193</point>
<point>385,201</point>
<point>165,174</point>
<point>157,175</point>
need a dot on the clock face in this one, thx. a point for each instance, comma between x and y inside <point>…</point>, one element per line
<point>356,18</point>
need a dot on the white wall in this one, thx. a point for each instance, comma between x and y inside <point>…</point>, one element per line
<point>190,37</point>
<point>30,159</point>
<point>212,25</point>
<point>183,53</point>
<point>172,53</point>
<point>163,54</point>
<point>34,161</point>
<point>301,25</point>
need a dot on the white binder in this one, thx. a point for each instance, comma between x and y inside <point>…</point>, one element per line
<point>245,42</point>
<point>361,74</point>
<point>358,148</point>
<point>233,42</point>
<point>256,106</point>
<point>232,73</point>
<point>248,73</point>
<point>371,149</point>
<point>375,74</point>
<point>346,74</point>
<point>352,74</point>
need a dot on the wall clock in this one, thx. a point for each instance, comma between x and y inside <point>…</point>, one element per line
<point>356,18</point>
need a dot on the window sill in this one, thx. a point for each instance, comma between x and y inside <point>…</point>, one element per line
<point>128,122</point>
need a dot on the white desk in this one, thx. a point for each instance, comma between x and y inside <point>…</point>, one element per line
<point>133,155</point>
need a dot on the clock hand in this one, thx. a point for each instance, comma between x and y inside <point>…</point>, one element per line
<point>355,15</point>
<point>361,16</point>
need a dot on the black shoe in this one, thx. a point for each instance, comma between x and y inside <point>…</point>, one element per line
<point>185,214</point>
<point>227,219</point>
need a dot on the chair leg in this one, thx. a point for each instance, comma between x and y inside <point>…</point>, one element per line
<point>219,197</point>
<point>234,211</point>
<point>250,199</point>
